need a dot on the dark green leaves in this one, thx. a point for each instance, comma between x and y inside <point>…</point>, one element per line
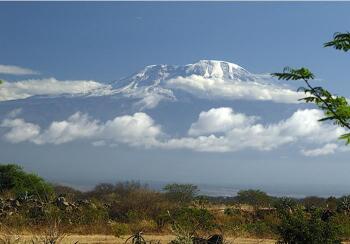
<point>294,74</point>
<point>341,41</point>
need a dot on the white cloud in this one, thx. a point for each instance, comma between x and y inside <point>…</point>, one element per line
<point>219,120</point>
<point>302,127</point>
<point>77,126</point>
<point>20,130</point>
<point>136,130</point>
<point>234,89</point>
<point>50,86</point>
<point>100,143</point>
<point>216,130</point>
<point>16,70</point>
<point>329,148</point>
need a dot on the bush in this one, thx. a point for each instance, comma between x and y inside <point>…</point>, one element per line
<point>69,193</point>
<point>314,227</point>
<point>120,229</point>
<point>138,205</point>
<point>15,180</point>
<point>193,220</point>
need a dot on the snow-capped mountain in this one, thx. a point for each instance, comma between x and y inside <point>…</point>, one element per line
<point>212,106</point>
<point>205,79</point>
<point>210,81</point>
<point>155,75</point>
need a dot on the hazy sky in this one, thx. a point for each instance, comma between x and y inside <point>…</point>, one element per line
<point>107,41</point>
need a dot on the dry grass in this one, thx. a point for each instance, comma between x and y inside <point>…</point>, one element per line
<point>107,239</point>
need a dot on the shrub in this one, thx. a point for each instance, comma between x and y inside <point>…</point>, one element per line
<point>14,179</point>
<point>343,205</point>
<point>120,229</point>
<point>314,227</point>
<point>138,205</point>
<point>69,193</point>
<point>313,201</point>
<point>193,220</point>
<point>258,229</point>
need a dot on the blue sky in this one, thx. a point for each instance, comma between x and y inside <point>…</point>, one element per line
<point>107,41</point>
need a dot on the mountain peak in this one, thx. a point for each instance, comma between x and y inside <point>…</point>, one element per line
<point>156,74</point>
<point>215,69</point>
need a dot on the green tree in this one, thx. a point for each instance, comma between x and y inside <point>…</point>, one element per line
<point>182,193</point>
<point>335,108</point>
<point>14,179</point>
<point>256,198</point>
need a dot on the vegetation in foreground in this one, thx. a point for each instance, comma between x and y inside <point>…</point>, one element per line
<point>28,204</point>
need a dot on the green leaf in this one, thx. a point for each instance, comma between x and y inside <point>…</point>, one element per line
<point>341,41</point>
<point>294,74</point>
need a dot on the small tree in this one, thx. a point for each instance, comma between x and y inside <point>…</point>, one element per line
<point>255,198</point>
<point>181,193</point>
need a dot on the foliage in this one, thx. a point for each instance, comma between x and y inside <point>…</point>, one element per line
<point>130,208</point>
<point>192,220</point>
<point>181,193</point>
<point>313,201</point>
<point>343,205</point>
<point>67,192</point>
<point>138,205</point>
<point>341,41</point>
<point>120,229</point>
<point>254,198</point>
<point>335,108</point>
<point>110,192</point>
<point>313,227</point>
<point>14,179</point>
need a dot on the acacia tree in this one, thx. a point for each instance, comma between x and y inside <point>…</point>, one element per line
<point>335,108</point>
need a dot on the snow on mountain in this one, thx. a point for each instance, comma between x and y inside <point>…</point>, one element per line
<point>206,79</point>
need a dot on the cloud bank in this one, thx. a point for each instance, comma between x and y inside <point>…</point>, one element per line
<point>234,89</point>
<point>135,130</point>
<point>216,130</point>
<point>302,127</point>
<point>16,70</point>
<point>50,86</point>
